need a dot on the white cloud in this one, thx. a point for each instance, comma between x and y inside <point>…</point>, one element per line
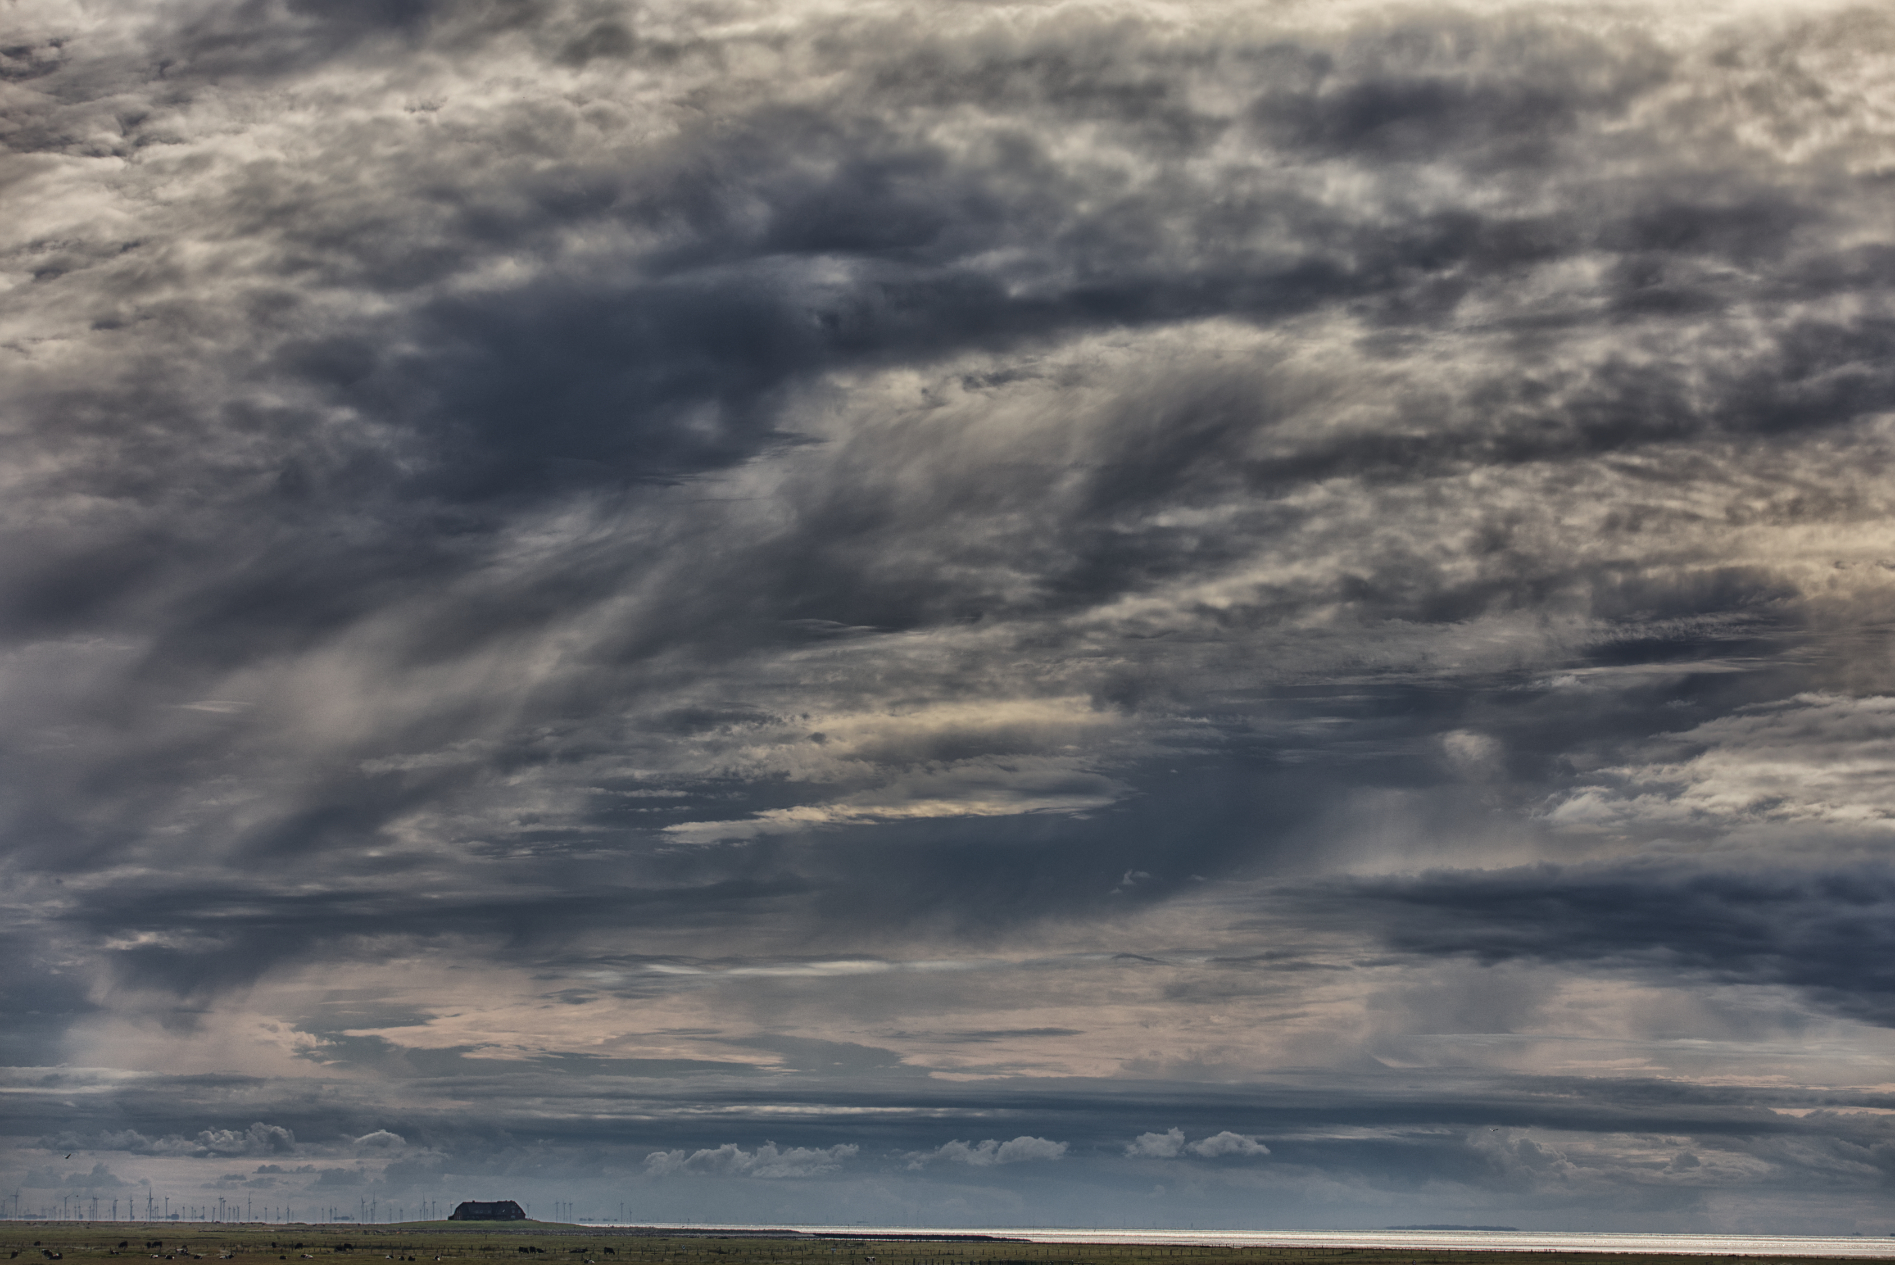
<point>766,1161</point>
<point>1170,1144</point>
<point>1474,756</point>
<point>1815,759</point>
<point>258,1139</point>
<point>983,787</point>
<point>992,1151</point>
<point>1157,1145</point>
<point>1219,1145</point>
<point>381,1138</point>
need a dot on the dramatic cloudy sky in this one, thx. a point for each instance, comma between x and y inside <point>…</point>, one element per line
<point>1251,614</point>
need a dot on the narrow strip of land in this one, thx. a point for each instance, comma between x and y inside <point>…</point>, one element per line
<point>490,1243</point>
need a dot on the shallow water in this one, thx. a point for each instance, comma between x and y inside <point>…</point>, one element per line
<point>1512,1240</point>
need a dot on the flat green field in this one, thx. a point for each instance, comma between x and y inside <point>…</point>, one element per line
<point>37,1242</point>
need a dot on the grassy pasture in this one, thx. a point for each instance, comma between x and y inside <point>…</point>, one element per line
<point>547,1243</point>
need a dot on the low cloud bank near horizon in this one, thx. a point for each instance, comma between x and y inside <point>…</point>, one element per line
<point>1060,613</point>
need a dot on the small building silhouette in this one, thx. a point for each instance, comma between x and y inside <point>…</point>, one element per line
<point>503,1210</point>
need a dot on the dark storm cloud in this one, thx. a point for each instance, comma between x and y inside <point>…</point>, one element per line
<point>237,934</point>
<point>805,547</point>
<point>674,365</point>
<point>41,1001</point>
<point>1822,932</point>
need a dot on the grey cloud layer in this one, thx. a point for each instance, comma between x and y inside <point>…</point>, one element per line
<point>809,544</point>
<point>1821,932</point>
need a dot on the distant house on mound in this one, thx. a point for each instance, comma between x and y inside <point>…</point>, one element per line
<point>504,1210</point>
